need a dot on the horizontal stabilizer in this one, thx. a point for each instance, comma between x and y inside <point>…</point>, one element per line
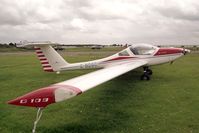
<point>31,44</point>
<point>50,59</point>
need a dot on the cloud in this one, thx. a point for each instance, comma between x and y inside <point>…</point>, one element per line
<point>180,10</point>
<point>104,21</point>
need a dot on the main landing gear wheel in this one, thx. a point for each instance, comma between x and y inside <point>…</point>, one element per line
<point>147,73</point>
<point>145,77</point>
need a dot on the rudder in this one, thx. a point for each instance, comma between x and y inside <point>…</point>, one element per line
<point>50,60</point>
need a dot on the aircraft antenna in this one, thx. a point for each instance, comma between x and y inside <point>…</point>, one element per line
<point>38,116</point>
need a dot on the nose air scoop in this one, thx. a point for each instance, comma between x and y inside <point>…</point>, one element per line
<point>38,98</point>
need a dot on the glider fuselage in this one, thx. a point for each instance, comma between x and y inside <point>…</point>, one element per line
<point>154,56</point>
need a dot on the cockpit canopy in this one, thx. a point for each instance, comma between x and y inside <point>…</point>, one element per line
<point>143,49</point>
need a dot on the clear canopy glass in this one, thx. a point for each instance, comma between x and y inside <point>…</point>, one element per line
<point>143,49</point>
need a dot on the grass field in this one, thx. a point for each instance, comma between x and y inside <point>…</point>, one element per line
<point>168,103</point>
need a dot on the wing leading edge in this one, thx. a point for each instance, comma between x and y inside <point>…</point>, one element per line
<point>90,80</point>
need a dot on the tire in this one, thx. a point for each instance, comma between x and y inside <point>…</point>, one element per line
<point>149,71</point>
<point>145,77</point>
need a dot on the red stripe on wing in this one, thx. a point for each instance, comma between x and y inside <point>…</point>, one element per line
<point>75,89</point>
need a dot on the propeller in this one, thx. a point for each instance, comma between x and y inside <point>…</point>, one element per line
<point>185,51</point>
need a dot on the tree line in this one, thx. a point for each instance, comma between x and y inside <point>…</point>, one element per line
<point>7,45</point>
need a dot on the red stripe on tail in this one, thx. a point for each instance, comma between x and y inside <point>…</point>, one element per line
<point>40,55</point>
<point>37,48</point>
<point>49,66</point>
<point>43,60</point>
<point>39,52</point>
<point>49,70</point>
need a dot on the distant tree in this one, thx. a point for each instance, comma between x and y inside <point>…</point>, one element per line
<point>4,45</point>
<point>11,44</point>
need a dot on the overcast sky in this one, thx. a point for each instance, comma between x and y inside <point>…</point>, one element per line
<point>100,21</point>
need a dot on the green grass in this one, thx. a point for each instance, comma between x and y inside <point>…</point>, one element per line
<point>12,49</point>
<point>168,103</point>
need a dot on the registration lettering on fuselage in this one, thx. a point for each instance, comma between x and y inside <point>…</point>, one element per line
<point>89,65</point>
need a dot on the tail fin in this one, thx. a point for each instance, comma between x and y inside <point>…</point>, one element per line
<point>50,60</point>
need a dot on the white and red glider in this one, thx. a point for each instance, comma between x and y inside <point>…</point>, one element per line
<point>139,55</point>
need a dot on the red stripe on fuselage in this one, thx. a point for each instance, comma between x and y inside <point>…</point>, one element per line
<point>120,58</point>
<point>166,51</point>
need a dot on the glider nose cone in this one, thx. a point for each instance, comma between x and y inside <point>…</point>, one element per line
<point>38,98</point>
<point>185,51</point>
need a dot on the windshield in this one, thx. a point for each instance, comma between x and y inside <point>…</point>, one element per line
<point>123,53</point>
<point>142,49</point>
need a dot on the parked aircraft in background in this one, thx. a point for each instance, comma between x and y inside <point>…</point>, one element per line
<point>138,55</point>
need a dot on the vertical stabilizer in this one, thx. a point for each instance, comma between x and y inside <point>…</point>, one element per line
<point>50,60</point>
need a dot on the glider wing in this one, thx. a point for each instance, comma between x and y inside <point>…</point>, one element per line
<point>70,88</point>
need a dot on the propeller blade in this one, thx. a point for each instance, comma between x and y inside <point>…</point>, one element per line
<point>185,51</point>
